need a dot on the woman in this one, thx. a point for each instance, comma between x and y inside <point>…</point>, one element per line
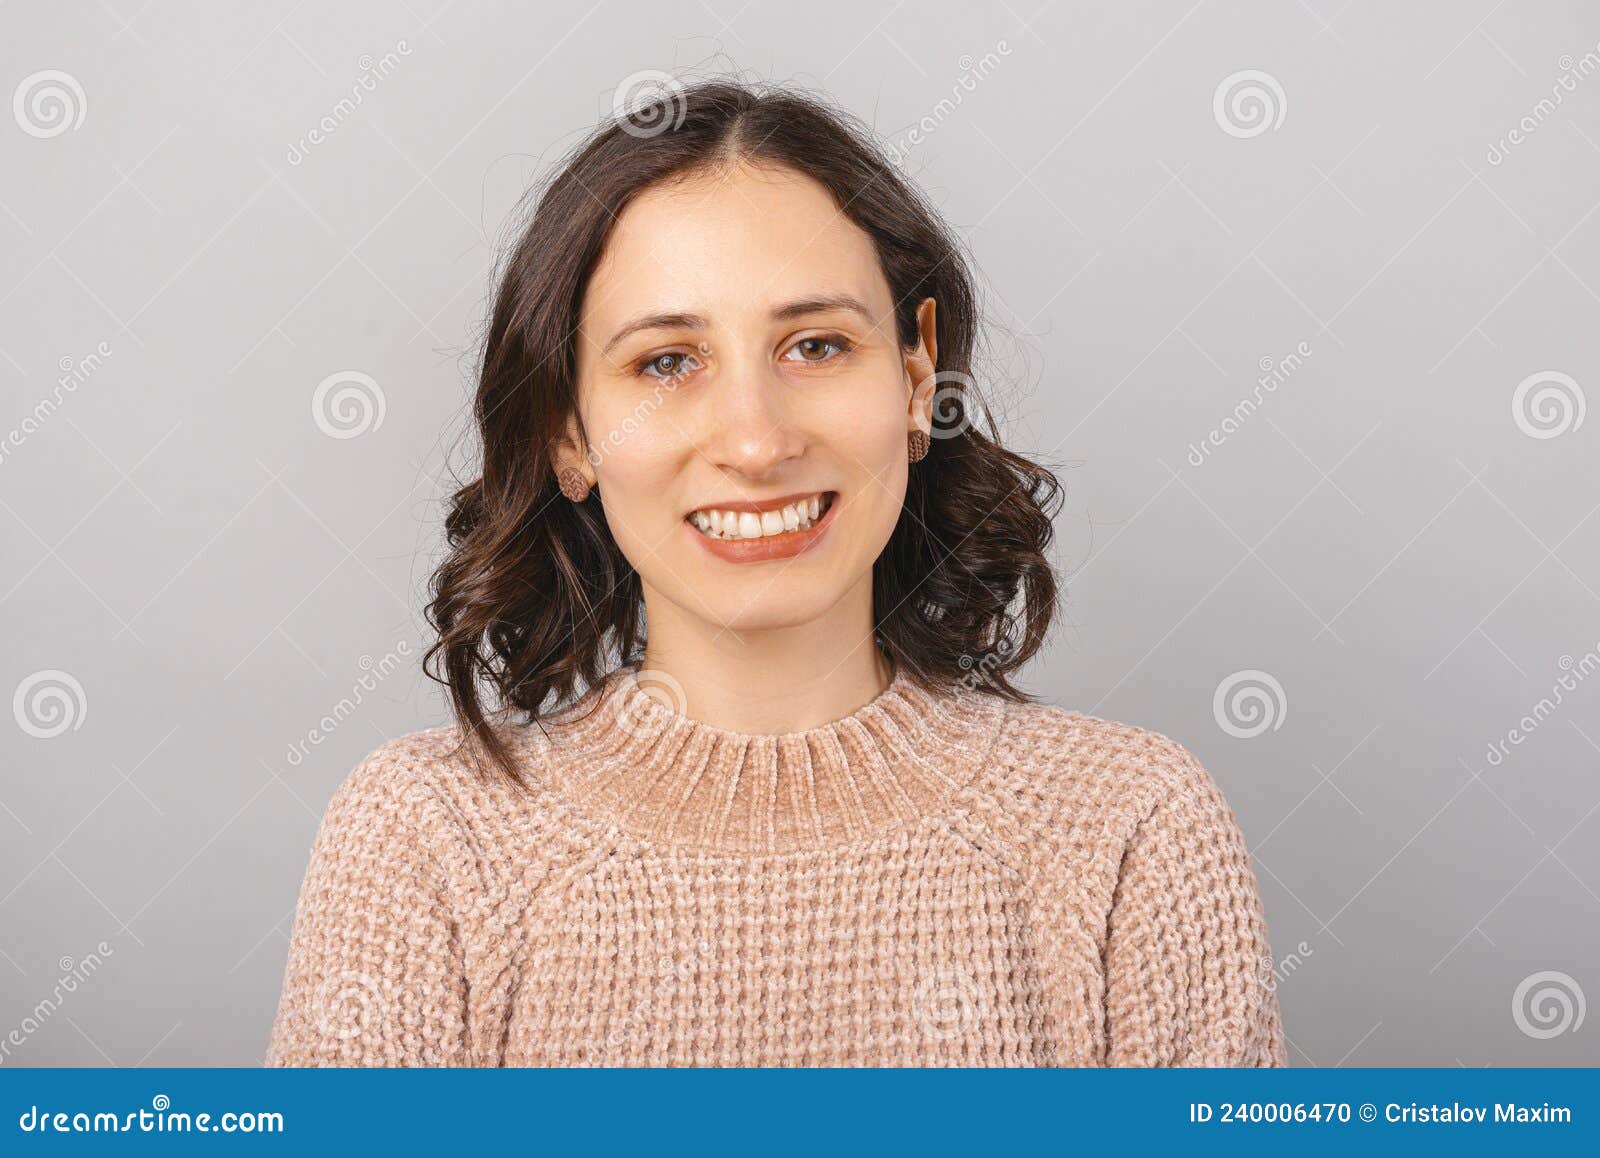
<point>805,819</point>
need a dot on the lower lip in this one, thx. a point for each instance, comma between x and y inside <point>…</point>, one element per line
<point>768,547</point>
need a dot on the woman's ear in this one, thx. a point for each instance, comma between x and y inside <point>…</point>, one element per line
<point>920,363</point>
<point>567,452</point>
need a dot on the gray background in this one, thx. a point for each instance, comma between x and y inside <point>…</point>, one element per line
<point>1383,536</point>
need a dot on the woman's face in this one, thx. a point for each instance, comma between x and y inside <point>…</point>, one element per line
<point>737,355</point>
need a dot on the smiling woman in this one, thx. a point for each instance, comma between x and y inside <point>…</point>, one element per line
<point>805,818</point>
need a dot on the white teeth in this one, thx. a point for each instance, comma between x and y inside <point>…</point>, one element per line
<point>750,525</point>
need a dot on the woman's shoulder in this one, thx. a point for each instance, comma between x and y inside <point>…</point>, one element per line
<point>420,787</point>
<point>445,765</point>
<point>442,789</point>
<point>1078,791</point>
<point>412,764</point>
<point>1081,766</point>
<point>1083,743</point>
<point>395,787</point>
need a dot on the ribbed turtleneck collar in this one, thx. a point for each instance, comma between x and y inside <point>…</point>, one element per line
<point>662,776</point>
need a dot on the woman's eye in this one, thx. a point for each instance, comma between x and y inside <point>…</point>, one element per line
<point>816,349</point>
<point>666,365</point>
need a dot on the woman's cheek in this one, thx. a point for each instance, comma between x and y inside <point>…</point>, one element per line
<point>631,442</point>
<point>872,434</point>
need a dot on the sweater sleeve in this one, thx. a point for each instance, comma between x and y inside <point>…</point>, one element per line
<point>1189,972</point>
<point>374,974</point>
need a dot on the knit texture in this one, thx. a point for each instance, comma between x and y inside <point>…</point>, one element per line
<point>939,878</point>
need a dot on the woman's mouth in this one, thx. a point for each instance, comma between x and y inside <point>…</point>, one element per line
<point>799,515</point>
<point>773,532</point>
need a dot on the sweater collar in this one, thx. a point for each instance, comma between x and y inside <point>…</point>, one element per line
<point>645,767</point>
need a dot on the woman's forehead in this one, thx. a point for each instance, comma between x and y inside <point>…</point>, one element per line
<point>732,241</point>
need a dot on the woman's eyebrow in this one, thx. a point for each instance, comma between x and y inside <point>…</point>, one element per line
<point>785,312</point>
<point>815,305</point>
<point>656,322</point>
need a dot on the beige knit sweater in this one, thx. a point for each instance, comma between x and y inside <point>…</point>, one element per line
<point>935,879</point>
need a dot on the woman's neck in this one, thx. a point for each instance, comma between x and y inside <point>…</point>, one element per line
<point>628,758</point>
<point>772,680</point>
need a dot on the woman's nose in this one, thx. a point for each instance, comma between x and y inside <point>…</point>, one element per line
<point>750,424</point>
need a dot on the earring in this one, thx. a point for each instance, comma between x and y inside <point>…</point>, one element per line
<point>573,484</point>
<point>917,445</point>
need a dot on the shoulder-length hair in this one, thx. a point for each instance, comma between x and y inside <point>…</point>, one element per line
<point>534,595</point>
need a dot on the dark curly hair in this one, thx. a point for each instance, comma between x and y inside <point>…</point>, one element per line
<point>535,595</point>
